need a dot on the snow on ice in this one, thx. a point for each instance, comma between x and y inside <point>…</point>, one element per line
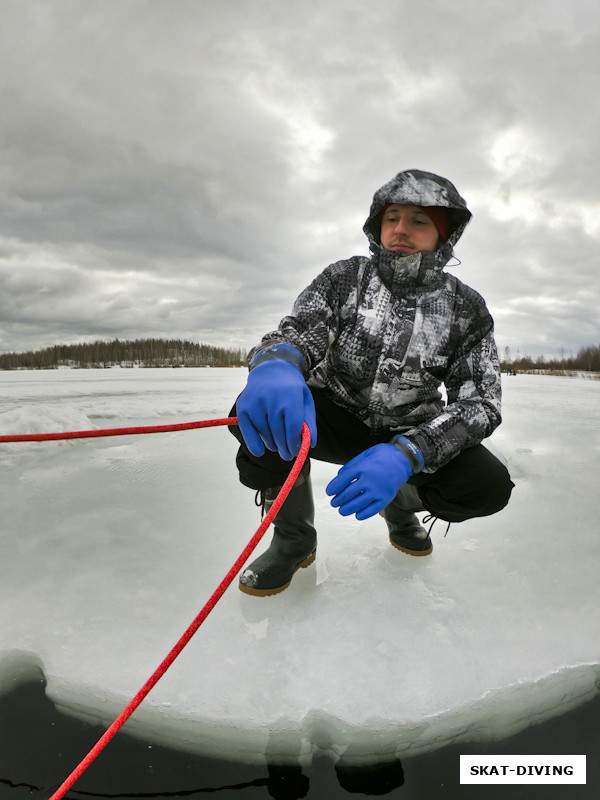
<point>110,547</point>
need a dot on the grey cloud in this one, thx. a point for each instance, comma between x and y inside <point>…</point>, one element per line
<point>186,168</point>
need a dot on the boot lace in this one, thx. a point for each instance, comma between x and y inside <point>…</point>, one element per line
<point>263,502</point>
<point>433,519</point>
<point>259,501</point>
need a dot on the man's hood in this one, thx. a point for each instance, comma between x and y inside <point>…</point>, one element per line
<point>419,188</point>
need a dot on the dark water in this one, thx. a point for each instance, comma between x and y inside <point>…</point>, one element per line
<point>39,747</point>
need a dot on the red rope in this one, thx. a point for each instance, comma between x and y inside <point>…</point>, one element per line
<point>212,601</point>
<point>182,426</point>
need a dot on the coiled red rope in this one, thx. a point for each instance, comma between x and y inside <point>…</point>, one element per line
<point>214,598</point>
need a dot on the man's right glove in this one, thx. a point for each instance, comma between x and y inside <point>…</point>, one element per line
<point>273,407</point>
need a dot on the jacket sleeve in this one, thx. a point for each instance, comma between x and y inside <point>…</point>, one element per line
<point>312,324</point>
<point>473,411</point>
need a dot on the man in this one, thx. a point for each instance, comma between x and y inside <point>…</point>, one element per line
<point>361,359</point>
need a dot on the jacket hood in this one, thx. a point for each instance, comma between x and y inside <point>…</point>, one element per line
<point>419,188</point>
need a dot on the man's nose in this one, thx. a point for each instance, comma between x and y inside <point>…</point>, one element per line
<point>400,226</point>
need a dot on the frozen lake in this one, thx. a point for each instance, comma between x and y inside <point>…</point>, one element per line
<point>109,548</point>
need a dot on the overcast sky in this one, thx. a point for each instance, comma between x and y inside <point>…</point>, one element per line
<point>181,168</point>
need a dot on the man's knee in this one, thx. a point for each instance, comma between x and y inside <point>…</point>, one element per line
<point>474,484</point>
<point>497,487</point>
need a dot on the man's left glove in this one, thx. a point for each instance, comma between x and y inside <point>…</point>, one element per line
<point>370,481</point>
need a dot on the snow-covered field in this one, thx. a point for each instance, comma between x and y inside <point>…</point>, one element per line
<point>109,548</point>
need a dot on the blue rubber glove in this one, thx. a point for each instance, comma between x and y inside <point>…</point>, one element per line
<point>370,481</point>
<point>273,407</point>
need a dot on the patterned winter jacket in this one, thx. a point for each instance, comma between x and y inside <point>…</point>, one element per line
<point>380,334</point>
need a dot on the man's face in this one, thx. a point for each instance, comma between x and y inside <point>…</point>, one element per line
<point>407,229</point>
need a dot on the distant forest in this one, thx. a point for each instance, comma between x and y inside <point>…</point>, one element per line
<point>586,360</point>
<point>140,353</point>
<point>183,353</point>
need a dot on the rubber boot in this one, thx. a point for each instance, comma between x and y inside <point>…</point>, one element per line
<point>294,543</point>
<point>406,532</point>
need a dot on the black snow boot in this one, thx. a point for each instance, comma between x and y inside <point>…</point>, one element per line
<point>294,542</point>
<point>406,532</point>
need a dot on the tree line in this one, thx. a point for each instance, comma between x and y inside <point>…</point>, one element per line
<point>138,352</point>
<point>184,353</point>
<point>586,360</point>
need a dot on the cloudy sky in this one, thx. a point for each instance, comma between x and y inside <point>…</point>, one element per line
<point>183,168</point>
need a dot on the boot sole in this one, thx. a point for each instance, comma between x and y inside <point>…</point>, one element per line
<point>412,552</point>
<point>269,592</point>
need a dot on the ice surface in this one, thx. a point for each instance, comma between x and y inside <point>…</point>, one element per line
<point>109,548</point>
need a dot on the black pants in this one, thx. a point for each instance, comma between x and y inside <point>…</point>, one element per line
<point>474,484</point>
